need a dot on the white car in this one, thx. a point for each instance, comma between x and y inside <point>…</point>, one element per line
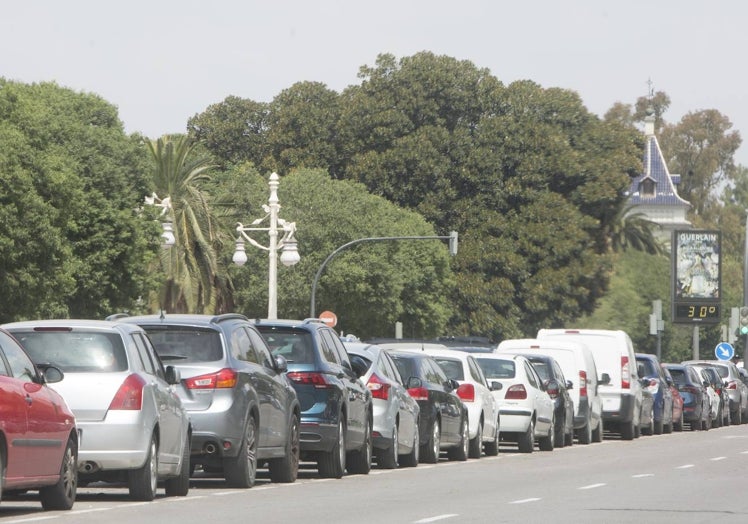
<point>396,412</point>
<point>525,408</point>
<point>476,393</point>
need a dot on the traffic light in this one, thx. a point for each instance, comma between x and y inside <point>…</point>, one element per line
<point>744,320</point>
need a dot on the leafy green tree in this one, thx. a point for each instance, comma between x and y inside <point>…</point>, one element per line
<point>72,243</point>
<point>634,231</point>
<point>195,283</point>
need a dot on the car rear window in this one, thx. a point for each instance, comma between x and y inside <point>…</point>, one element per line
<point>679,376</point>
<point>185,344</point>
<point>646,368</point>
<point>76,351</point>
<point>451,367</point>
<point>296,346</point>
<point>406,367</point>
<point>496,368</point>
<point>540,367</point>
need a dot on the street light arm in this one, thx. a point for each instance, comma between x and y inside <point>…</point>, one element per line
<point>452,237</point>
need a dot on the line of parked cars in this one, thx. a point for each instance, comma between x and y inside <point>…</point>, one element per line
<point>149,401</point>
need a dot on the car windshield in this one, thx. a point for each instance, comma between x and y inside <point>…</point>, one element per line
<point>497,368</point>
<point>294,345</point>
<point>76,351</point>
<point>452,367</point>
<point>186,344</point>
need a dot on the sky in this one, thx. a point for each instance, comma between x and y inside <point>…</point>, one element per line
<point>163,61</point>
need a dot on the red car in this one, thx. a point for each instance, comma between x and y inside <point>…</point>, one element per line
<point>38,437</point>
<point>677,401</point>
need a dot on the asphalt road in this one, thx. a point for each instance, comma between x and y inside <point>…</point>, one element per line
<point>689,477</point>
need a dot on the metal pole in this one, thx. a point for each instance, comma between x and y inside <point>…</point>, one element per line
<point>273,248</point>
<point>695,342</point>
<point>745,279</point>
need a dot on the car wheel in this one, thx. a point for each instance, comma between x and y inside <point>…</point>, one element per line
<point>432,448</point>
<point>331,464</point>
<point>737,417</point>
<point>629,430</point>
<point>142,482</point>
<point>526,440</point>
<point>492,448</point>
<point>61,495</point>
<point>387,458</point>
<point>597,433</point>
<point>678,424</point>
<point>585,434</point>
<point>411,459</point>
<point>548,442</point>
<point>241,471</point>
<point>179,486</point>
<point>728,419</point>
<point>560,428</point>
<point>359,462</point>
<point>475,449</point>
<point>286,469</point>
<point>717,421</point>
<point>649,428</point>
<point>460,452</point>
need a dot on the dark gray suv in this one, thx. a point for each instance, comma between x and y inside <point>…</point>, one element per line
<point>336,408</point>
<point>243,408</point>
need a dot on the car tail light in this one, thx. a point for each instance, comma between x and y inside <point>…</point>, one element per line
<point>466,392</point>
<point>516,392</point>
<point>582,383</point>
<point>625,373</point>
<point>308,378</point>
<point>378,388</point>
<point>419,393</point>
<point>732,385</point>
<point>223,379</point>
<point>690,390</point>
<point>552,390</point>
<point>130,394</point>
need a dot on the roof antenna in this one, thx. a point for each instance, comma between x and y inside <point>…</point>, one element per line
<point>162,316</point>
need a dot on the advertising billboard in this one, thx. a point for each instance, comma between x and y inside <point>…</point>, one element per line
<point>697,276</point>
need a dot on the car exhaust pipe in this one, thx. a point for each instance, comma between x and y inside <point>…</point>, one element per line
<point>88,467</point>
<point>210,448</point>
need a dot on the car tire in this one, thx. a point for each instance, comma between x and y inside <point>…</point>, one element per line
<point>649,428</point>
<point>736,417</point>
<point>585,434</point>
<point>61,496</point>
<point>678,424</point>
<point>359,461</point>
<point>241,471</point>
<point>432,448</point>
<point>560,428</point>
<point>179,486</point>
<point>597,433</point>
<point>475,448</point>
<point>460,452</point>
<point>411,459</point>
<point>142,482</point>
<point>331,464</point>
<point>548,442</point>
<point>387,458</point>
<point>629,430</point>
<point>492,448</point>
<point>286,469</point>
<point>526,440</point>
<point>717,421</point>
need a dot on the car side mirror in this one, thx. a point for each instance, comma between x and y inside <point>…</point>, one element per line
<point>173,376</point>
<point>413,382</point>
<point>604,379</point>
<point>669,381</point>
<point>451,384</point>
<point>281,364</point>
<point>358,365</point>
<point>50,374</point>
<point>706,384</point>
<point>569,384</point>
<point>495,385</point>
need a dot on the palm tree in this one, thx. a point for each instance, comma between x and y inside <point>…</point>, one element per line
<point>194,283</point>
<point>630,230</point>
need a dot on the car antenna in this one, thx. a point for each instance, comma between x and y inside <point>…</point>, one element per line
<point>162,316</point>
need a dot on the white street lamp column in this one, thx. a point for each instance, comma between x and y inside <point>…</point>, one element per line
<point>286,244</point>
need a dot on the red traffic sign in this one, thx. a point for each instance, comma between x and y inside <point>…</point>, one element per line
<point>329,318</point>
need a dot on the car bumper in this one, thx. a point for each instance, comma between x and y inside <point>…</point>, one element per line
<point>514,420</point>
<point>121,441</point>
<point>619,408</point>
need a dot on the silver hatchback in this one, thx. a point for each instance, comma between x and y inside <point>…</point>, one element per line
<point>132,425</point>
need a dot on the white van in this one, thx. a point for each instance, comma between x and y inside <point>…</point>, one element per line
<point>621,391</point>
<point>579,367</point>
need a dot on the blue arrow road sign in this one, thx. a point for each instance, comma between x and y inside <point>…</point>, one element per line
<point>724,351</point>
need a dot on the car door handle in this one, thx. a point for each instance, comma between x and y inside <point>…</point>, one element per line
<point>29,400</point>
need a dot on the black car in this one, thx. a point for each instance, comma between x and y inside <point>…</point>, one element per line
<point>443,424</point>
<point>655,382</point>
<point>557,387</point>
<point>691,387</point>
<point>336,406</point>
<point>243,408</point>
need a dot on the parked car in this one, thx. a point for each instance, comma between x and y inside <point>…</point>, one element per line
<point>38,427</point>
<point>475,392</point>
<point>133,425</point>
<point>243,408</point>
<point>336,406</point>
<point>578,366</point>
<point>677,399</point>
<point>720,401</point>
<point>696,403</point>
<point>444,417</point>
<point>655,383</point>
<point>736,389</point>
<point>526,410</point>
<point>396,413</point>
<point>621,392</point>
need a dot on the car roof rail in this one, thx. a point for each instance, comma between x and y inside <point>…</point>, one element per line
<point>117,316</point>
<point>228,316</point>
<point>313,320</point>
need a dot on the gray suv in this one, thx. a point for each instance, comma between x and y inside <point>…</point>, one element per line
<point>736,389</point>
<point>243,408</point>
